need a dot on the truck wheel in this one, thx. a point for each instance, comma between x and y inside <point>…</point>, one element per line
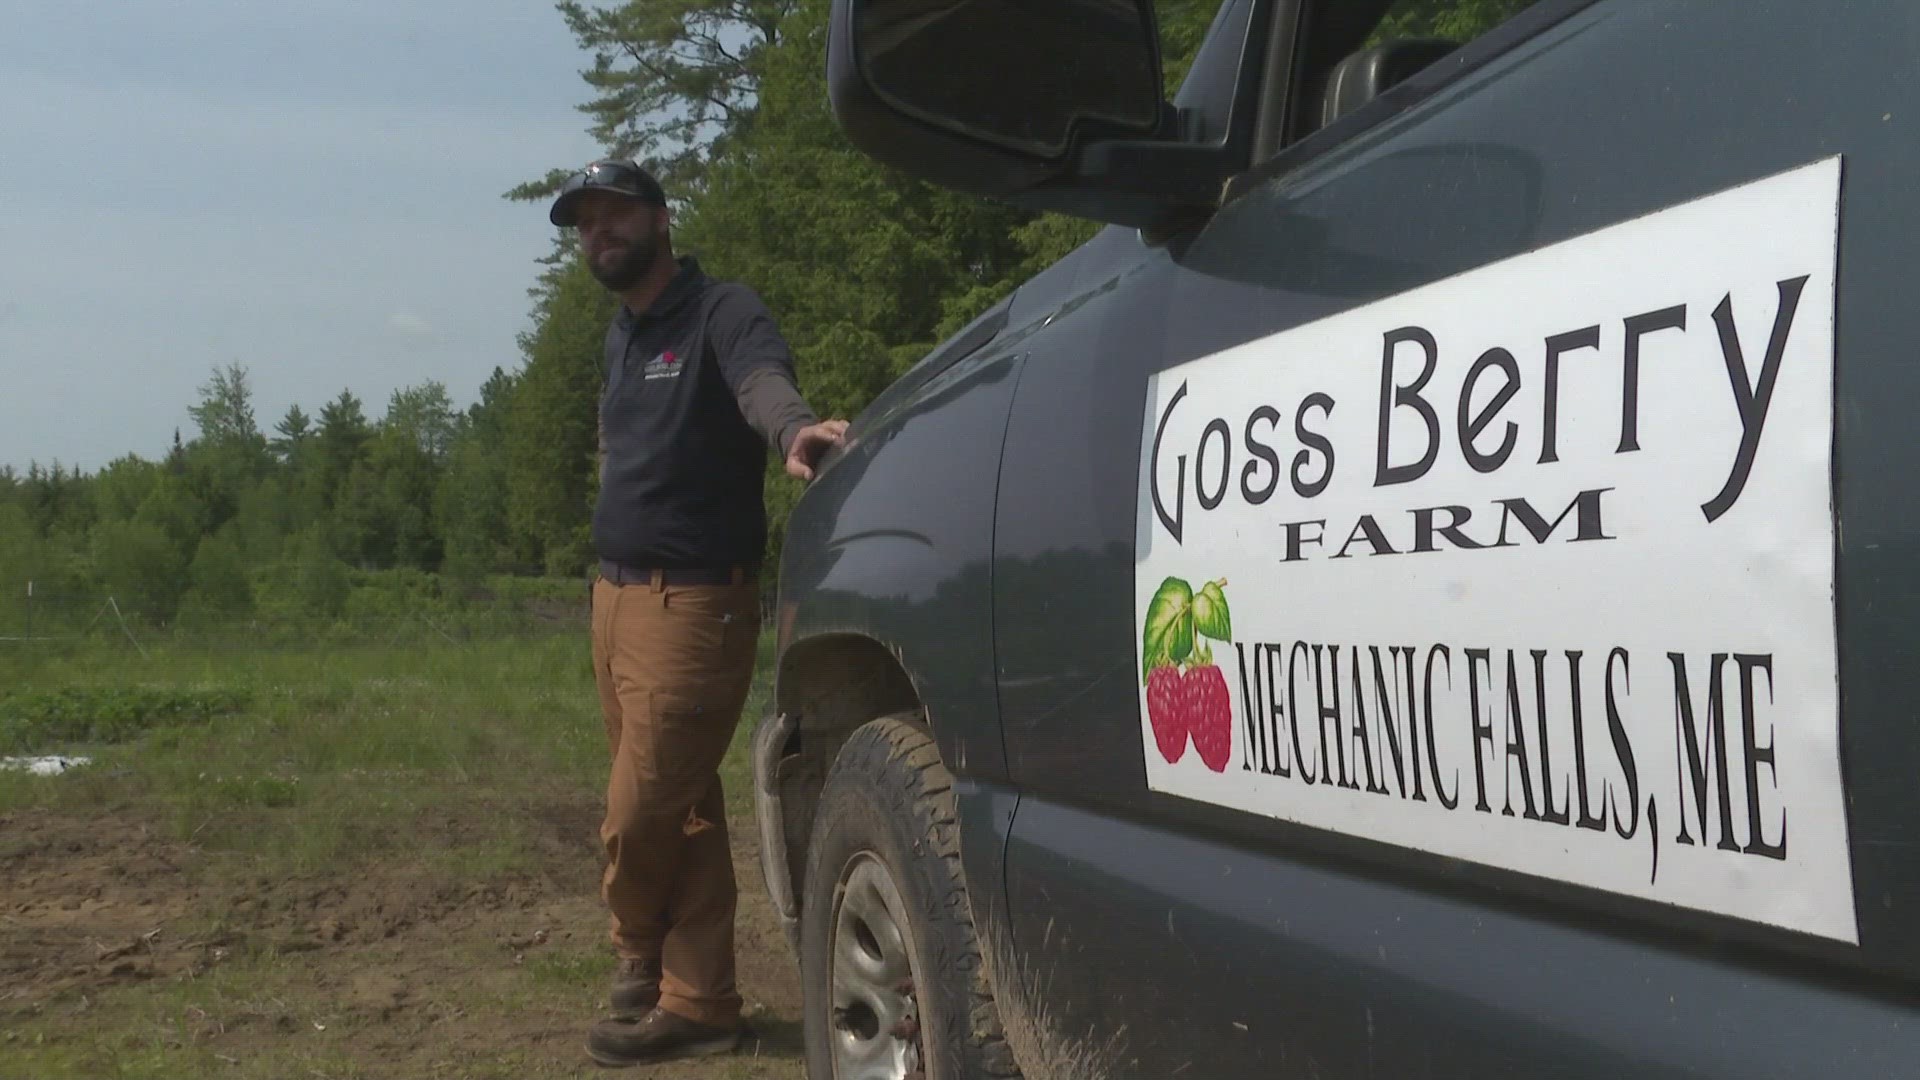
<point>893,981</point>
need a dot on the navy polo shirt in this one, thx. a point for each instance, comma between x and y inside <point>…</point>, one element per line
<point>682,485</point>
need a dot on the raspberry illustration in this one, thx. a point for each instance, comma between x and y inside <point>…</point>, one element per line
<point>1187,695</point>
<point>1208,708</point>
<point>1167,712</point>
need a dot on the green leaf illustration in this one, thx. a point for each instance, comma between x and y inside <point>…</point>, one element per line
<point>1168,636</point>
<point>1210,612</point>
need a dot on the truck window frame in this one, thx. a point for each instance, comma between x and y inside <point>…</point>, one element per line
<point>1277,151</point>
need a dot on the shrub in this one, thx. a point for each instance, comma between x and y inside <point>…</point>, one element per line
<point>46,719</point>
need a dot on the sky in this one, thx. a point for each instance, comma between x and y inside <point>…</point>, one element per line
<point>308,188</point>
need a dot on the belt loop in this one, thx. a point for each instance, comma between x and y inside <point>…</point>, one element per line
<point>659,580</point>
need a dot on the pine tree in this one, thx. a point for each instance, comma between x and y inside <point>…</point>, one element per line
<point>470,504</point>
<point>225,411</point>
<point>343,433</point>
<point>295,431</point>
<point>552,427</point>
<point>673,80</point>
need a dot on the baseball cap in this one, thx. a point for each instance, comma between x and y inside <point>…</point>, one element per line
<point>618,175</point>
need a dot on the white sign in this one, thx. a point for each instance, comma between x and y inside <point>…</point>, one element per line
<point>1532,566</point>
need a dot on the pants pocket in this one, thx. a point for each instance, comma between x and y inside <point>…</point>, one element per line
<point>722,624</point>
<point>716,615</point>
<point>687,737</point>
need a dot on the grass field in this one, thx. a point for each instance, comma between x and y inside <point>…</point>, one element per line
<point>371,860</point>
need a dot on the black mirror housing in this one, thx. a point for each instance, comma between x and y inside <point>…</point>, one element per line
<point>911,144</point>
<point>1026,75</point>
<point>1048,104</point>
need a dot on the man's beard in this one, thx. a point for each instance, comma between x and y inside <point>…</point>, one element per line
<point>633,265</point>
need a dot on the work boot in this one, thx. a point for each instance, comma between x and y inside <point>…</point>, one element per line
<point>657,1036</point>
<point>636,987</point>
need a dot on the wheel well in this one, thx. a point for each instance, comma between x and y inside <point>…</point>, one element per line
<point>830,686</point>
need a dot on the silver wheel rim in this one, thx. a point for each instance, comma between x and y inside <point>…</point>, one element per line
<point>870,974</point>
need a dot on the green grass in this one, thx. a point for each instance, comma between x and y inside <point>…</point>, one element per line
<point>433,759</point>
<point>38,720</point>
<point>332,738</point>
<point>170,1059</point>
<point>574,967</point>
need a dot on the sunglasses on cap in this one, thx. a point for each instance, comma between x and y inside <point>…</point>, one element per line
<point>622,177</point>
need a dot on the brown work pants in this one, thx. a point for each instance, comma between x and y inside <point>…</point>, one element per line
<point>673,663</point>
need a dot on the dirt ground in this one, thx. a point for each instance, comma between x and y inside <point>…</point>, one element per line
<point>126,954</point>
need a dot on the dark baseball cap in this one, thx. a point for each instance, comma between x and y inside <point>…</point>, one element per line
<point>620,176</point>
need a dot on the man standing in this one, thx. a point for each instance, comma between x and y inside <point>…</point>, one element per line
<point>698,383</point>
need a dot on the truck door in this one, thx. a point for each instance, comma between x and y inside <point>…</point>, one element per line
<point>1437,836</point>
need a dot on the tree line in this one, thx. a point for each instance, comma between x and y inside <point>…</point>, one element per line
<point>865,269</point>
<point>235,520</point>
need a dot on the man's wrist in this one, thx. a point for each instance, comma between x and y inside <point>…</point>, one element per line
<point>793,430</point>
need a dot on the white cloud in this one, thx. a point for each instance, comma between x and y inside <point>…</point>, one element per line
<point>411,325</point>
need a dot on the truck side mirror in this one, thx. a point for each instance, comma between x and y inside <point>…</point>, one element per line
<point>1025,75</point>
<point>1046,104</point>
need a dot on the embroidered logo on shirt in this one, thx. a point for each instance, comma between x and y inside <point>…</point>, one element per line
<point>664,366</point>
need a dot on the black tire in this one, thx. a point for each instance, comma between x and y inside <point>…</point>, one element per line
<point>888,803</point>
